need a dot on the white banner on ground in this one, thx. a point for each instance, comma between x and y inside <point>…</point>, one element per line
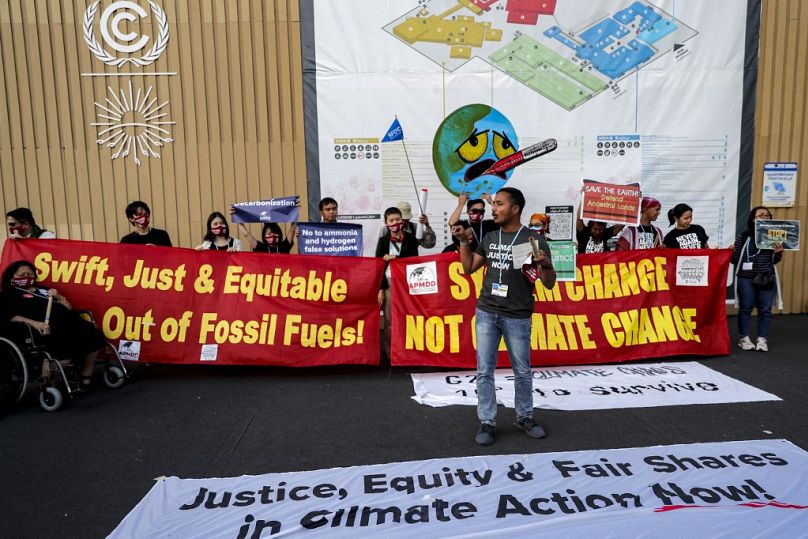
<point>596,387</point>
<point>733,489</point>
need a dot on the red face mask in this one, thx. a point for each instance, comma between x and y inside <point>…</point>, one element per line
<point>15,230</point>
<point>476,216</point>
<point>395,228</point>
<point>218,230</point>
<point>143,220</point>
<point>24,282</point>
<point>272,239</point>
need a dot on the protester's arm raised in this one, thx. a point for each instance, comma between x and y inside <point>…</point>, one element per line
<point>461,203</point>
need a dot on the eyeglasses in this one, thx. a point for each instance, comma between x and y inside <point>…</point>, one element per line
<point>476,211</point>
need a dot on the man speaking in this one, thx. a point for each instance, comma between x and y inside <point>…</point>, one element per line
<point>505,308</point>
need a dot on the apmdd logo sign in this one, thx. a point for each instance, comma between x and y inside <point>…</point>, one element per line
<point>422,278</point>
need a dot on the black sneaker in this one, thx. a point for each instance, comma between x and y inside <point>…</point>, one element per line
<point>531,428</point>
<point>485,436</point>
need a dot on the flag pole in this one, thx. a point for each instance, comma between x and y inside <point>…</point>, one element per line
<point>412,176</point>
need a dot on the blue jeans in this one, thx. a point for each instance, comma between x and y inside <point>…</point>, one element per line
<point>516,331</point>
<point>751,297</point>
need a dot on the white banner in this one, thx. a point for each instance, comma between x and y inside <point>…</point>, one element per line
<point>730,489</point>
<point>596,387</point>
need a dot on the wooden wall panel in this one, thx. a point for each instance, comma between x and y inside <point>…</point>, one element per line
<point>237,110</point>
<point>780,125</point>
<point>238,106</point>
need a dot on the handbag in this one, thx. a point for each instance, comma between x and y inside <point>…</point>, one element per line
<point>764,281</point>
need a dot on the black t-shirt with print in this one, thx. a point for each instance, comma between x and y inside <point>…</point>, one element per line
<point>496,249</point>
<point>154,236</point>
<point>588,245</point>
<point>692,237</point>
<point>283,247</point>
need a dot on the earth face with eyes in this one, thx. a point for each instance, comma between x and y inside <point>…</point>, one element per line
<point>469,141</point>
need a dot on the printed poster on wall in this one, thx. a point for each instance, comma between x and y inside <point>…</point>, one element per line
<point>779,184</point>
<point>617,85</point>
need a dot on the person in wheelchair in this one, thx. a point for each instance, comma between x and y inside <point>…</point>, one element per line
<point>66,334</point>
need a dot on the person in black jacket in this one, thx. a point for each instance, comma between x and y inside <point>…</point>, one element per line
<point>66,334</point>
<point>399,243</point>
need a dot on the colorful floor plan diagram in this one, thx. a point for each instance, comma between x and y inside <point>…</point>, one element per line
<point>566,50</point>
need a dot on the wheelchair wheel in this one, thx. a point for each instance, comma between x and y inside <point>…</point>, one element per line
<point>13,373</point>
<point>114,376</point>
<point>51,399</point>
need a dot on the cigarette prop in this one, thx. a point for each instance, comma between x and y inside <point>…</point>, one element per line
<point>522,156</point>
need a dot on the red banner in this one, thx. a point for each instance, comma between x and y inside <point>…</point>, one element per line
<point>623,306</point>
<point>173,305</point>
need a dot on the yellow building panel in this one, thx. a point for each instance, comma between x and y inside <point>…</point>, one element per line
<point>471,5</point>
<point>411,29</point>
<point>493,34</point>
<point>460,52</point>
<point>474,35</point>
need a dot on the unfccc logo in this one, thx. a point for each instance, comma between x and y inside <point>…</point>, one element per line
<point>112,20</point>
<point>131,120</point>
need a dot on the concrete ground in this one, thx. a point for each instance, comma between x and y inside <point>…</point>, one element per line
<point>79,471</point>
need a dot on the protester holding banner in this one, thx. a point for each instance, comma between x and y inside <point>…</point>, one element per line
<point>475,209</point>
<point>428,239</point>
<point>272,237</point>
<point>645,235</point>
<point>594,236</point>
<point>139,216</point>
<point>686,235</point>
<point>273,241</point>
<point>218,237</point>
<point>21,225</point>
<point>756,282</point>
<point>398,243</point>
<point>328,210</point>
<point>66,334</point>
<point>505,308</point>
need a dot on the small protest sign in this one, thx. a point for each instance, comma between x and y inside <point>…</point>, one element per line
<point>274,210</point>
<point>769,232</point>
<point>333,239</point>
<point>611,202</point>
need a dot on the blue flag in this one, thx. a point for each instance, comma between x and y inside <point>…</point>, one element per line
<point>395,132</point>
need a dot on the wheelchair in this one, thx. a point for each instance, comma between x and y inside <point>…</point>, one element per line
<point>25,361</point>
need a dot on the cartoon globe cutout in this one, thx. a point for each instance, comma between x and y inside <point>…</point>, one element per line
<point>467,143</point>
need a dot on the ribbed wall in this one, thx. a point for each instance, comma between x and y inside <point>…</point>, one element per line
<point>238,107</point>
<point>780,124</point>
<point>236,100</point>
